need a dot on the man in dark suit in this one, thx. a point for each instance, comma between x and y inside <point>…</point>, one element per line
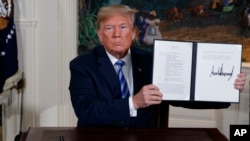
<point>95,89</point>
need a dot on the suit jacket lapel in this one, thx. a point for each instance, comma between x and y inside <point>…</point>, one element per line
<point>137,71</point>
<point>140,71</point>
<point>108,72</point>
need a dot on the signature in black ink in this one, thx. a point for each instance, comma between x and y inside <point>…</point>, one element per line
<point>220,72</point>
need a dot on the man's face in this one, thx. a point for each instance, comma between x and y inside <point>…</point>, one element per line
<point>116,34</point>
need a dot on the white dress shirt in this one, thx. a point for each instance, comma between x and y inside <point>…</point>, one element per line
<point>128,74</point>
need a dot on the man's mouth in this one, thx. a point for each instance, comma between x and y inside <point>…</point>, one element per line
<point>117,43</point>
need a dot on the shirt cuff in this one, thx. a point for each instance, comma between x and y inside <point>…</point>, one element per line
<point>133,111</point>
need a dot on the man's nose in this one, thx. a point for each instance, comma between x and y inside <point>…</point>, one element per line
<point>117,33</point>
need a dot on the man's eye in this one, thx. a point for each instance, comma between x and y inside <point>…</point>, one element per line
<point>109,28</point>
<point>124,26</point>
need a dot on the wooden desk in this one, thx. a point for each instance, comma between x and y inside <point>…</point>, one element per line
<point>121,134</point>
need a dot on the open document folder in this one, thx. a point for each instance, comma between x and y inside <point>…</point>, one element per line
<point>194,71</point>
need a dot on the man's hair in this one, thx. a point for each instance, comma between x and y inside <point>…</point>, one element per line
<point>105,12</point>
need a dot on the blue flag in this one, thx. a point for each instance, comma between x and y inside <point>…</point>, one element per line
<point>8,53</point>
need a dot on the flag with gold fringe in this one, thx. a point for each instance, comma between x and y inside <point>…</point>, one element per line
<point>8,46</point>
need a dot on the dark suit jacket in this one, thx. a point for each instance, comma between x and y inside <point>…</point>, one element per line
<point>96,95</point>
<point>95,90</point>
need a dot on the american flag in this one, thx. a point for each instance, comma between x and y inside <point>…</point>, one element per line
<point>8,46</point>
<point>8,53</point>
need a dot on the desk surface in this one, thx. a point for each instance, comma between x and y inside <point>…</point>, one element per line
<point>121,134</point>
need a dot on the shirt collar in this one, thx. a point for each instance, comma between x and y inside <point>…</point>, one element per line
<point>126,59</point>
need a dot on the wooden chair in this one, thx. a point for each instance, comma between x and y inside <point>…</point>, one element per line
<point>163,115</point>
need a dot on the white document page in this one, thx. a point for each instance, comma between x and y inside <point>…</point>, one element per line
<point>172,69</point>
<point>216,70</point>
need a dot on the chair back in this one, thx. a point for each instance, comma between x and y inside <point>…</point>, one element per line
<point>163,115</point>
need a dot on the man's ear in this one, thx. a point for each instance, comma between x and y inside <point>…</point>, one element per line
<point>99,35</point>
<point>134,32</point>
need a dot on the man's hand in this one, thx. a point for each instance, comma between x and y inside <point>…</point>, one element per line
<point>240,81</point>
<point>148,95</point>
